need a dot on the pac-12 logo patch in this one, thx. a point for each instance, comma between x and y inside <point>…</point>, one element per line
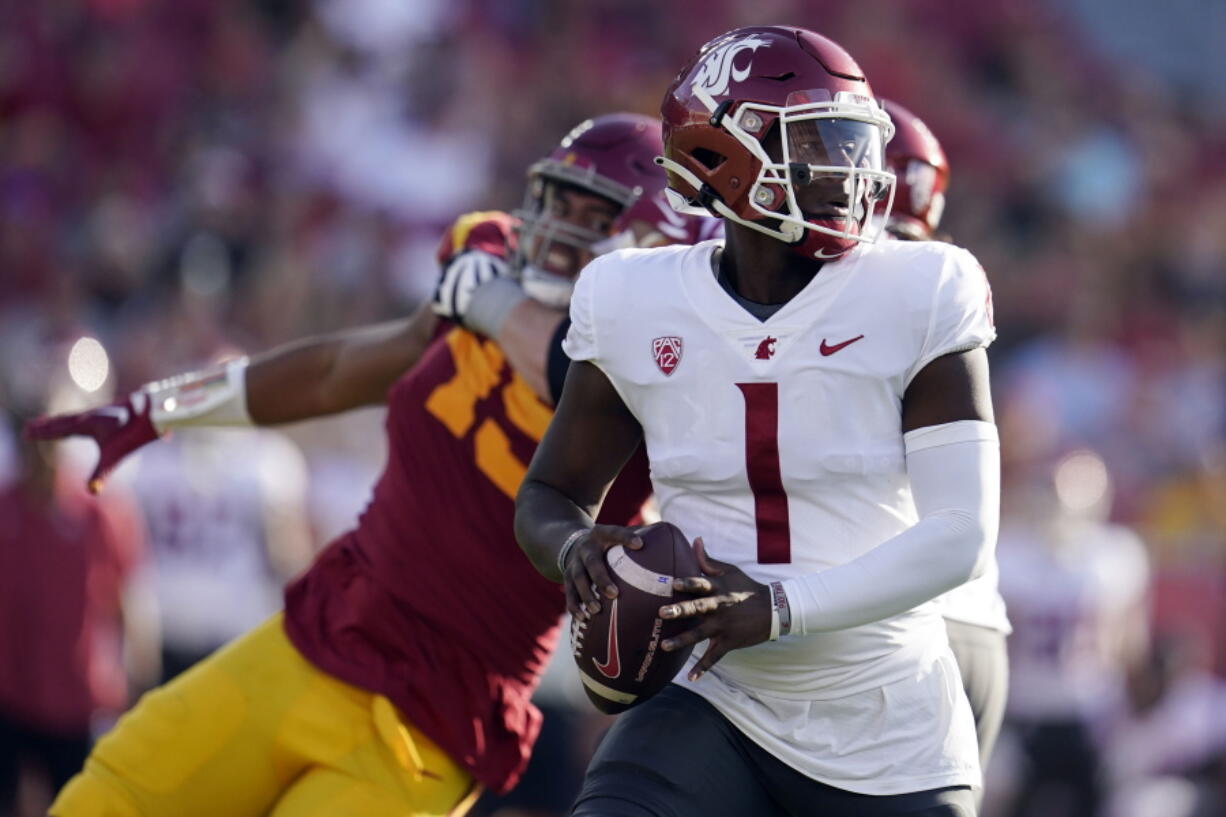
<point>667,352</point>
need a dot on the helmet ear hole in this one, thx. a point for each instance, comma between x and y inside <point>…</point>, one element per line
<point>708,158</point>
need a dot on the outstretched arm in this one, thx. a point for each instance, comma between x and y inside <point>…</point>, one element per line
<point>334,373</point>
<point>307,378</point>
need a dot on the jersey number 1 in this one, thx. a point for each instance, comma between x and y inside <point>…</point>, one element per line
<point>765,478</point>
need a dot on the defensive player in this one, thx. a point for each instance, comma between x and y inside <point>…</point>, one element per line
<point>974,613</point>
<point>816,412</point>
<point>400,673</point>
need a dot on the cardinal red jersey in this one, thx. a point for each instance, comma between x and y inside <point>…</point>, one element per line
<point>430,600</point>
<point>64,562</point>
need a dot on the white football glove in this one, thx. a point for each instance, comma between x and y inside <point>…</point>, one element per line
<point>461,278</point>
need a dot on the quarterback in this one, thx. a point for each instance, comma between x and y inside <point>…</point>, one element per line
<point>398,679</point>
<point>816,411</point>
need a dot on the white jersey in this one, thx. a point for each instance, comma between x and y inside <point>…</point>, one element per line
<point>211,499</point>
<point>978,602</point>
<point>780,443</point>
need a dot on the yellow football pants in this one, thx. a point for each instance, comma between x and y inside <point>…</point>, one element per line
<point>257,730</point>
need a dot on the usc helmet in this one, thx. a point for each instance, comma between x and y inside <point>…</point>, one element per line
<point>612,156</point>
<point>786,89</point>
<point>922,174</point>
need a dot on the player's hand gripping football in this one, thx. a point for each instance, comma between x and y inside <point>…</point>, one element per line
<point>732,610</point>
<point>586,573</point>
<point>460,279</point>
<point>119,429</point>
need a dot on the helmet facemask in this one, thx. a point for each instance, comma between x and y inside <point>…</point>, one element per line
<point>552,250</point>
<point>837,145</point>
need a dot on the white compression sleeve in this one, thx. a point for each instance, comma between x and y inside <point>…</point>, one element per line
<point>955,478</point>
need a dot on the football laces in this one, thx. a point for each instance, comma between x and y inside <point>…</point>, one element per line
<point>578,629</point>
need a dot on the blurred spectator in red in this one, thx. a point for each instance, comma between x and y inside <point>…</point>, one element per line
<point>65,561</point>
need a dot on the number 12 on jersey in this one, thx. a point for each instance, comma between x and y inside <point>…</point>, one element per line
<point>765,478</point>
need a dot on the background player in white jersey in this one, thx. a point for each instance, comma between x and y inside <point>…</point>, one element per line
<point>222,542</point>
<point>816,410</point>
<point>1077,591</point>
<point>974,613</point>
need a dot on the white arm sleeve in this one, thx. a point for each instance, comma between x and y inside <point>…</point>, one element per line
<point>955,477</point>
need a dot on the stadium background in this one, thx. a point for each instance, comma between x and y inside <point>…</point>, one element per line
<point>182,178</point>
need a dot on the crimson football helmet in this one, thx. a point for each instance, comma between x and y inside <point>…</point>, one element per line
<point>612,156</point>
<point>786,90</point>
<point>922,174</point>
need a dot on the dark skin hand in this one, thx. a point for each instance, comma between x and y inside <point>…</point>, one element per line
<point>734,611</point>
<point>593,433</point>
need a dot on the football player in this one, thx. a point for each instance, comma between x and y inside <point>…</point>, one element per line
<point>921,172</point>
<point>399,675</point>
<point>1077,588</point>
<point>816,410</point>
<point>975,612</point>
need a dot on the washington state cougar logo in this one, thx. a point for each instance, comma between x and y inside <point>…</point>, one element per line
<point>718,69</point>
<point>667,352</point>
<point>766,349</point>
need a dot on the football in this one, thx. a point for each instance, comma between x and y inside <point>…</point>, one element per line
<point>618,649</point>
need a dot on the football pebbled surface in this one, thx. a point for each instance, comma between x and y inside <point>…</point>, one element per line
<point>618,650</point>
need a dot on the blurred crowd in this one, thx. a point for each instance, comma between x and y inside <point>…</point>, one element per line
<point>186,180</point>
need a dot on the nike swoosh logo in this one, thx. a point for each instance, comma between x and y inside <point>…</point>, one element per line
<point>612,667</point>
<point>828,350</point>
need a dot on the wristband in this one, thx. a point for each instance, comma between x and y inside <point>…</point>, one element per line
<point>566,548</point>
<point>217,397</point>
<point>781,612</point>
<point>491,304</point>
